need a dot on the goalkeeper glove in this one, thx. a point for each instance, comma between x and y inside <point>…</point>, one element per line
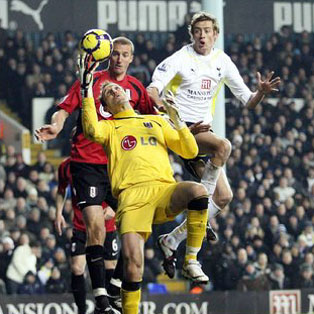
<point>86,69</point>
<point>173,110</point>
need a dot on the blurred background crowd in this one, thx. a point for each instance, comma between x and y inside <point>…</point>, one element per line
<point>266,235</point>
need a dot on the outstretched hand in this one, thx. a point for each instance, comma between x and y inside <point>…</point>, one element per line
<point>86,67</point>
<point>268,85</point>
<point>172,109</point>
<point>46,133</point>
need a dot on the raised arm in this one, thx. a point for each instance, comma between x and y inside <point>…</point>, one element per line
<point>240,90</point>
<point>93,129</point>
<point>263,88</point>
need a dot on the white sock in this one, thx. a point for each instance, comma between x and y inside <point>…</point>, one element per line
<point>210,177</point>
<point>213,209</point>
<point>192,251</point>
<point>116,282</point>
<point>176,236</point>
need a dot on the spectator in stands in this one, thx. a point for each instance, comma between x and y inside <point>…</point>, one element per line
<point>139,42</point>
<point>23,260</point>
<point>21,206</point>
<point>252,279</point>
<point>5,256</point>
<point>21,188</point>
<point>33,221</point>
<point>11,179</point>
<point>305,279</point>
<point>308,232</point>
<point>261,264</point>
<point>50,247</point>
<point>31,285</point>
<point>21,223</point>
<point>43,235</point>
<point>32,197</point>
<point>56,283</point>
<point>8,200</point>
<point>15,234</point>
<point>152,265</point>
<point>277,278</point>
<point>41,162</point>
<point>33,177</point>
<point>140,71</point>
<point>272,231</point>
<point>236,270</point>
<point>43,187</point>
<point>20,168</point>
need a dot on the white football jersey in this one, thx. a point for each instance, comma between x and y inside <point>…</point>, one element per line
<point>196,80</point>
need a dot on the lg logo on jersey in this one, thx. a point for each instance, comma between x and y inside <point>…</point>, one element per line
<point>149,141</point>
<point>129,142</point>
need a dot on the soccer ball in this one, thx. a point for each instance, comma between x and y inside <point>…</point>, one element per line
<point>98,43</point>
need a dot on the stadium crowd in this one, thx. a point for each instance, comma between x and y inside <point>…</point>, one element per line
<point>266,234</point>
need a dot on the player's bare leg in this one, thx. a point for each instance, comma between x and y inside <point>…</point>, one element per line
<point>220,148</point>
<point>133,262</point>
<point>95,231</point>
<point>110,266</point>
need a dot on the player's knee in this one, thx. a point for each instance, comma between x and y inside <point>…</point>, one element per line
<point>197,190</point>
<point>224,199</point>
<point>199,199</point>
<point>77,269</point>
<point>224,150</point>
<point>96,234</point>
<point>110,264</point>
<point>133,266</point>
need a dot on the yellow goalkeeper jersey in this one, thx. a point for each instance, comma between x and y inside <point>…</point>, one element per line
<point>136,146</point>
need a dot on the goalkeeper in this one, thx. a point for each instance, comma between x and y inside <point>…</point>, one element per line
<point>142,179</point>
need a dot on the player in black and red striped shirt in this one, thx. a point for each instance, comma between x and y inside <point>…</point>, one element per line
<point>89,162</point>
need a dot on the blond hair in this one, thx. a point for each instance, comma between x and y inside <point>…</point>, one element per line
<point>124,41</point>
<point>200,17</point>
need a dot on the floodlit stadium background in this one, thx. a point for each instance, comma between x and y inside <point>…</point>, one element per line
<point>271,167</point>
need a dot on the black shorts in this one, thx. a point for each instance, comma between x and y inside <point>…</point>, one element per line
<point>188,163</point>
<point>111,245</point>
<point>91,184</point>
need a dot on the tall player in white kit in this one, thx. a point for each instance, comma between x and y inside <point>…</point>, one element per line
<point>194,75</point>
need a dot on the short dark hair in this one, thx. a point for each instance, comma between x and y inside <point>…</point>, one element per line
<point>34,243</point>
